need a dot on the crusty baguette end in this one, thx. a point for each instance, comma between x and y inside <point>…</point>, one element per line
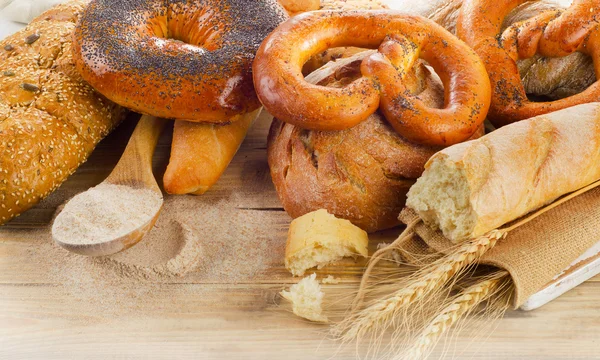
<point>472,188</point>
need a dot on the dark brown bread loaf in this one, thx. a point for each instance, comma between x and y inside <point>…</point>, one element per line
<point>361,174</point>
<point>50,119</point>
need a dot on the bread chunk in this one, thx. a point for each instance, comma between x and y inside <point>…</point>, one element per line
<point>319,238</point>
<point>307,299</point>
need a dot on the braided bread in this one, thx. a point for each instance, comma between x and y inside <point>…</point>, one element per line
<point>552,33</point>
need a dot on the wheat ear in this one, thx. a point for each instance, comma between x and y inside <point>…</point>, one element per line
<point>462,305</point>
<point>425,281</point>
<point>377,256</point>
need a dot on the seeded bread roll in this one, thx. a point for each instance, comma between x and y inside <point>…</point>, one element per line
<point>50,119</point>
<point>471,188</point>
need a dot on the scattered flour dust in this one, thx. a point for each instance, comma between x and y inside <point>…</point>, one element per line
<point>196,240</point>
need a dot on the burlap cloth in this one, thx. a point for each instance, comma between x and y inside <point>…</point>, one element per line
<point>533,253</point>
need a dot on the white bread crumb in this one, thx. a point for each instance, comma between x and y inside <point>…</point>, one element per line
<point>330,280</point>
<point>307,299</point>
<point>441,198</point>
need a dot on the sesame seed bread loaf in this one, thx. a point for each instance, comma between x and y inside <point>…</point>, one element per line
<point>471,188</point>
<point>50,119</point>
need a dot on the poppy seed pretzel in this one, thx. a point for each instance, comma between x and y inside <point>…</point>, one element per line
<point>401,40</point>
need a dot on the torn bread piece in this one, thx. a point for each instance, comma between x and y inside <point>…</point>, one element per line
<point>307,299</point>
<point>319,238</point>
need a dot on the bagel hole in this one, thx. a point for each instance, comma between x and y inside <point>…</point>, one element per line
<point>180,28</point>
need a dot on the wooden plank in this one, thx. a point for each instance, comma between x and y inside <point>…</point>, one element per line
<point>246,322</point>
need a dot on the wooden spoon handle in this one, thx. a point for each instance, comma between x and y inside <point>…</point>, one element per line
<point>135,166</point>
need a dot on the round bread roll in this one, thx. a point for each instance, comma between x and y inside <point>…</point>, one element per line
<point>361,174</point>
<point>294,7</point>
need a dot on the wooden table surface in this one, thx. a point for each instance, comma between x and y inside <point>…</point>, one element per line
<point>185,319</point>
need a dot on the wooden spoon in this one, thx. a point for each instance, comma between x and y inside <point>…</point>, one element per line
<point>78,228</point>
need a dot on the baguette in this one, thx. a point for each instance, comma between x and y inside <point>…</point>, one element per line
<point>201,152</point>
<point>50,119</point>
<point>471,188</point>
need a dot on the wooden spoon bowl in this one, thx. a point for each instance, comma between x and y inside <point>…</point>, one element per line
<point>130,185</point>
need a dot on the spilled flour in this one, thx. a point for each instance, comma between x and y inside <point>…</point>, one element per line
<point>199,241</point>
<point>158,256</point>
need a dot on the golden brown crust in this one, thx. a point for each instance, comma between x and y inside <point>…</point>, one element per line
<point>186,59</point>
<point>50,119</point>
<point>361,174</point>
<point>200,153</point>
<point>295,7</point>
<point>328,55</point>
<point>516,169</point>
<point>352,5</point>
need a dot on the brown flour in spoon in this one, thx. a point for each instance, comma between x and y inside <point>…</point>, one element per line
<point>104,213</point>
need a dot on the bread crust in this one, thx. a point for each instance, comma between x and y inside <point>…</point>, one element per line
<point>553,33</point>
<point>50,119</point>
<point>401,40</point>
<point>361,174</point>
<point>200,153</point>
<point>328,55</point>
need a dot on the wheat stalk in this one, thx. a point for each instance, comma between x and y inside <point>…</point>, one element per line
<point>459,307</point>
<point>423,282</point>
